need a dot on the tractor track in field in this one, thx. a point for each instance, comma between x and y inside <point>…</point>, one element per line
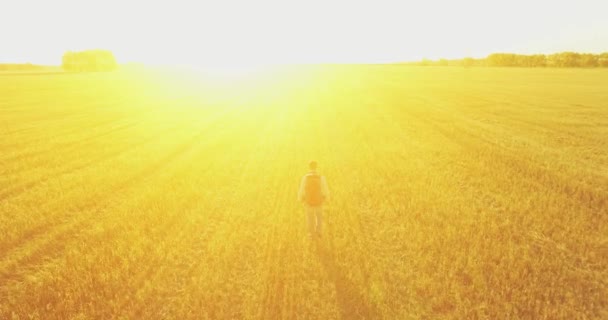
<point>26,186</point>
<point>70,131</point>
<point>151,272</point>
<point>66,231</point>
<point>197,240</point>
<point>167,228</point>
<point>197,244</point>
<point>519,121</point>
<point>69,127</point>
<point>43,228</point>
<point>515,162</point>
<point>67,146</point>
<point>273,292</point>
<point>37,257</point>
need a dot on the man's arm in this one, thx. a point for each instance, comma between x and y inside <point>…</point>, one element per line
<point>301,190</point>
<point>324,189</point>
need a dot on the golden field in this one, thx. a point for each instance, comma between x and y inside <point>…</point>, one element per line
<point>463,193</point>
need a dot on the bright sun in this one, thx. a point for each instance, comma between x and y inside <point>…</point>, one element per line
<point>230,69</point>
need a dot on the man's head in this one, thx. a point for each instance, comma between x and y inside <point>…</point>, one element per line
<point>312,165</point>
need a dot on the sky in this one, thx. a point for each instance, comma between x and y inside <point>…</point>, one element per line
<point>271,31</point>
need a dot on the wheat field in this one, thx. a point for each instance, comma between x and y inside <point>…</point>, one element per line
<point>458,193</point>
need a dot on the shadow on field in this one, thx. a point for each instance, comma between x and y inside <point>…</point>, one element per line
<point>352,303</point>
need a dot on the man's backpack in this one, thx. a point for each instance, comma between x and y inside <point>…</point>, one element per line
<point>313,194</point>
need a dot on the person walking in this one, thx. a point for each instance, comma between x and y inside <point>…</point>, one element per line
<point>313,193</point>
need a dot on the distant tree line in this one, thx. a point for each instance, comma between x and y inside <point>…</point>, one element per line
<point>89,60</point>
<point>556,60</point>
<point>21,67</point>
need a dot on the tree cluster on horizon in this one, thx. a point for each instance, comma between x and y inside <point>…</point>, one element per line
<point>566,59</point>
<point>89,60</point>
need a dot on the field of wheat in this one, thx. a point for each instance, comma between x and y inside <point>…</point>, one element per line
<point>456,193</point>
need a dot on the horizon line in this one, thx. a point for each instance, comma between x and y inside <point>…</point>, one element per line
<point>237,62</point>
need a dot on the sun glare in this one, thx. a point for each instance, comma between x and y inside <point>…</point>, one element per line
<point>231,69</point>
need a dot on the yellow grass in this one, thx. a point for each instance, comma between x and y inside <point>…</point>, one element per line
<point>457,193</point>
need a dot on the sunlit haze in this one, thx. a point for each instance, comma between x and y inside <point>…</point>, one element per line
<point>319,159</point>
<point>270,31</point>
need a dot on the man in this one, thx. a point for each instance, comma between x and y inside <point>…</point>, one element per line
<point>313,193</point>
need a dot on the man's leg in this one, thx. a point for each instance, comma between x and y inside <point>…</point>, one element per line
<point>319,214</point>
<point>311,216</point>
